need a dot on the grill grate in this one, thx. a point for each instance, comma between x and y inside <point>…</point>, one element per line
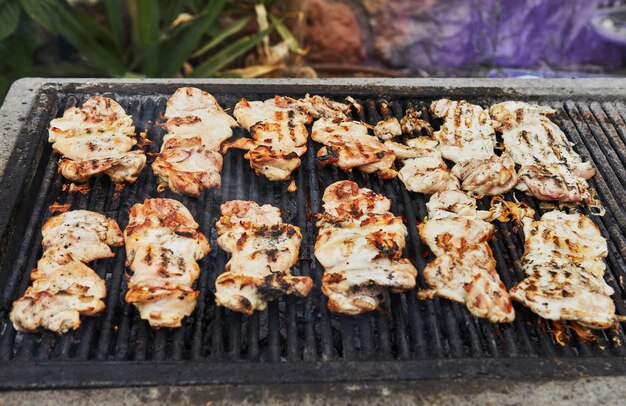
<point>295,339</point>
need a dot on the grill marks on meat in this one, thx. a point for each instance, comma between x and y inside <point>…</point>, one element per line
<point>467,137</point>
<point>189,161</point>
<point>64,287</point>
<point>465,269</point>
<point>96,138</point>
<point>278,135</point>
<point>188,167</point>
<point>348,146</point>
<point>360,246</point>
<point>564,261</point>
<point>493,176</point>
<point>423,170</point>
<point>263,249</point>
<point>466,132</point>
<point>163,245</point>
<point>550,168</point>
<point>120,168</point>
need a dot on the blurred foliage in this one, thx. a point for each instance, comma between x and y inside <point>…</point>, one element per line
<point>135,38</point>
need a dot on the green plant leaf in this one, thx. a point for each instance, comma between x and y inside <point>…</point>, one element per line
<point>170,9</point>
<point>178,50</point>
<point>285,34</point>
<point>147,35</point>
<point>115,17</point>
<point>9,17</point>
<point>232,29</point>
<point>99,32</point>
<point>56,17</point>
<point>229,54</point>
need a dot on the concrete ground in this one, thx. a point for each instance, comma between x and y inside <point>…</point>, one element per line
<point>606,390</point>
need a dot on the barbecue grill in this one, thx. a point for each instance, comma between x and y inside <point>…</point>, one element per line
<point>295,339</point>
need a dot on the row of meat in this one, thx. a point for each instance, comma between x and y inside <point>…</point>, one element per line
<point>99,137</point>
<point>359,245</point>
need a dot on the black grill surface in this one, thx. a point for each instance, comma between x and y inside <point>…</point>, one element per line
<point>295,339</point>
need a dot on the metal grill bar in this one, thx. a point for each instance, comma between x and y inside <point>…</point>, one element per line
<point>300,332</point>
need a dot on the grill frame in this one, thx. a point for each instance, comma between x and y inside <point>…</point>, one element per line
<point>24,170</point>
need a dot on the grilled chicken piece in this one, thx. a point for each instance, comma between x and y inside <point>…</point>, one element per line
<point>64,287</point>
<point>413,124</point>
<point>531,138</point>
<point>467,137</point>
<point>465,269</point>
<point>275,148</point>
<point>162,246</point>
<point>96,138</point>
<point>466,133</point>
<point>564,260</point>
<point>280,109</point>
<point>94,146</point>
<point>360,246</point>
<point>83,234</point>
<point>553,182</point>
<point>263,249</point>
<point>348,146</point>
<point>186,166</point>
<point>388,128</point>
<point>189,161</point>
<point>459,204</point>
<point>192,112</point>
<point>321,107</point>
<point>423,170</point>
<point>120,168</point>
<point>98,116</point>
<point>492,176</point>
<point>278,135</point>
<point>550,168</point>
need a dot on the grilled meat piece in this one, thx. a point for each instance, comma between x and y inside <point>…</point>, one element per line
<point>278,135</point>
<point>186,166</point>
<point>388,128</point>
<point>64,287</point>
<point>120,168</point>
<point>192,112</point>
<point>162,246</point>
<point>94,146</point>
<point>189,161</point>
<point>564,261</point>
<point>274,149</point>
<point>465,269</point>
<point>360,246</point>
<point>413,124</point>
<point>493,176</point>
<point>348,146</point>
<point>466,133</point>
<point>96,138</point>
<point>280,109</point>
<point>98,116</point>
<point>321,107</point>
<point>263,249</point>
<point>550,168</point>
<point>467,137</point>
<point>553,182</point>
<point>423,170</point>
<point>531,138</point>
<point>83,234</point>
